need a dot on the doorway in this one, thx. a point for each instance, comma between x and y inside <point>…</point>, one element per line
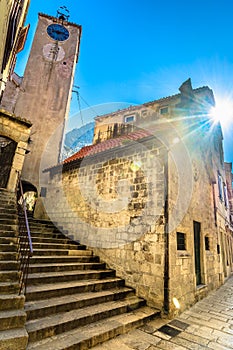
<point>197,251</point>
<point>7,152</point>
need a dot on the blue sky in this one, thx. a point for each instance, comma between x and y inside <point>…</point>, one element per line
<point>137,51</point>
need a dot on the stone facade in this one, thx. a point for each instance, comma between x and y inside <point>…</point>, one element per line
<point>17,130</point>
<point>113,202</point>
<point>44,93</point>
<point>166,230</point>
<point>13,35</point>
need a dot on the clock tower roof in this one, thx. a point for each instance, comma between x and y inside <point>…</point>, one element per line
<point>58,20</point>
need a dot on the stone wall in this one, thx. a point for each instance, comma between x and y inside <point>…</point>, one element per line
<point>114,203</point>
<point>18,130</point>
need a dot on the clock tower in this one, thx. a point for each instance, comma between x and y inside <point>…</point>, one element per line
<point>45,93</point>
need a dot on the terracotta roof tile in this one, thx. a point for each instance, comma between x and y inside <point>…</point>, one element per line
<point>107,145</point>
<point>104,146</point>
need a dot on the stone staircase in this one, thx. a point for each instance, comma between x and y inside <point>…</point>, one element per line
<point>13,334</point>
<point>73,300</point>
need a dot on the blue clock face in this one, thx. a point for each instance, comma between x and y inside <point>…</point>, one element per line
<point>57,32</point>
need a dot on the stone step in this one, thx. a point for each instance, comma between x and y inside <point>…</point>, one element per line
<point>50,290</point>
<point>9,221</point>
<point>8,247</point>
<point>56,324</point>
<point>69,252</point>
<point>9,288</point>
<point>8,256</point>
<point>55,267</point>
<point>63,259</point>
<point>97,332</point>
<point>4,215</point>
<point>8,265</point>
<point>8,210</point>
<point>48,240</point>
<point>8,240</point>
<point>58,246</point>
<point>48,235</point>
<point>8,233</point>
<point>9,276</point>
<point>42,308</point>
<point>12,319</point>
<point>11,302</point>
<point>42,225</point>
<point>66,276</point>
<point>6,227</point>
<point>13,339</point>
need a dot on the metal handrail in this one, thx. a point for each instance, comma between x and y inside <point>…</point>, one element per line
<point>25,249</point>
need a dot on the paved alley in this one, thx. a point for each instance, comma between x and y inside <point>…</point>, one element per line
<point>207,325</point>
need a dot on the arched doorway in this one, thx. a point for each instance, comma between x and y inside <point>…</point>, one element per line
<point>7,152</point>
<point>30,196</point>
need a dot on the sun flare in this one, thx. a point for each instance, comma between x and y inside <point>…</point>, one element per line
<point>223,111</point>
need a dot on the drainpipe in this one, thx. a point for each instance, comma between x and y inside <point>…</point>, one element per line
<point>166,238</point>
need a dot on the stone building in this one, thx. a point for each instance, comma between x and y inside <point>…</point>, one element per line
<point>13,36</point>
<point>14,130</point>
<point>229,179</point>
<point>14,136</point>
<point>43,94</point>
<point>149,196</point>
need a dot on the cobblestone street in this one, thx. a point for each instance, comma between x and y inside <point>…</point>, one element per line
<point>207,325</point>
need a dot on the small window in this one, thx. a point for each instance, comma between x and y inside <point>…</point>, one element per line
<point>225,195</point>
<point>220,187</point>
<point>207,243</point>
<point>218,249</point>
<point>164,110</point>
<point>130,119</point>
<point>180,239</point>
<point>43,192</point>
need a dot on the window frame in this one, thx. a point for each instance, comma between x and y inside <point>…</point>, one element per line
<point>129,117</point>
<point>180,241</point>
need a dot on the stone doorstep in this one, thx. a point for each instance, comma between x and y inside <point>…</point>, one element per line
<point>42,308</point>
<point>92,334</point>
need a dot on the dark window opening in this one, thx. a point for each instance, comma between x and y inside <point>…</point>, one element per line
<point>207,243</point>
<point>43,192</point>
<point>218,249</point>
<point>164,110</point>
<point>180,239</point>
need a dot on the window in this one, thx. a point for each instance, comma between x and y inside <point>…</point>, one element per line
<point>180,240</point>
<point>225,195</point>
<point>207,243</point>
<point>218,249</point>
<point>129,119</point>
<point>220,187</point>
<point>43,191</point>
<point>164,110</point>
